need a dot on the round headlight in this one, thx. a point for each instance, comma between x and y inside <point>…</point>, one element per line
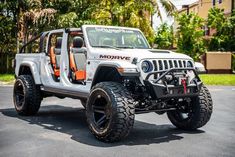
<point>189,64</point>
<point>146,66</point>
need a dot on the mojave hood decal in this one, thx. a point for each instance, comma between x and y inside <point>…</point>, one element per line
<point>129,54</point>
<point>115,57</point>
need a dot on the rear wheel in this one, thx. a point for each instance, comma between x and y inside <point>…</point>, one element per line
<point>26,95</point>
<point>194,113</point>
<point>110,111</point>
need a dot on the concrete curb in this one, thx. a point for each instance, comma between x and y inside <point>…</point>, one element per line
<point>2,85</point>
<point>6,84</point>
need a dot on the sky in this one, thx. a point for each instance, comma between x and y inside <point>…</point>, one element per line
<point>170,20</point>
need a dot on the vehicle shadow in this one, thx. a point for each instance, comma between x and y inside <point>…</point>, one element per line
<point>72,121</point>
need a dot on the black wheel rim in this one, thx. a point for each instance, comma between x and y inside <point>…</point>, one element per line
<point>19,94</point>
<point>100,108</point>
<point>185,111</point>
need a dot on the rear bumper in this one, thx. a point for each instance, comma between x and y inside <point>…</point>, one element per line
<point>159,89</point>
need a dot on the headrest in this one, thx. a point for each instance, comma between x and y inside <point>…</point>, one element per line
<point>58,42</point>
<point>77,42</point>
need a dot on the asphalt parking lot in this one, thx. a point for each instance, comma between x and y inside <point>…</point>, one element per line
<point>59,129</point>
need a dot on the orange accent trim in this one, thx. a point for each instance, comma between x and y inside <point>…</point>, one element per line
<point>57,72</point>
<point>53,62</point>
<point>52,57</point>
<point>80,75</point>
<point>121,70</point>
<point>72,62</point>
<point>75,33</point>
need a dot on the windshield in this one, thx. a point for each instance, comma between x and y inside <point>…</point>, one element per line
<point>116,38</point>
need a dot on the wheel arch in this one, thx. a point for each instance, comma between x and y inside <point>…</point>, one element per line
<point>114,71</point>
<point>104,72</point>
<point>29,68</point>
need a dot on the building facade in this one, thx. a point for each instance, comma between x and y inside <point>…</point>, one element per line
<point>202,7</point>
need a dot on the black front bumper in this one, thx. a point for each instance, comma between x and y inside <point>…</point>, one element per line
<point>159,89</point>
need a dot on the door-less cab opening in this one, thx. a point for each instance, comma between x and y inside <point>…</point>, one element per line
<point>54,52</point>
<point>77,57</point>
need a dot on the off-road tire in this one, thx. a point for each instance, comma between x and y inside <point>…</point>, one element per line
<point>30,96</point>
<point>201,112</point>
<point>120,111</point>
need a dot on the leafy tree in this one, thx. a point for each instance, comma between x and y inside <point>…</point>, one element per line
<point>20,20</point>
<point>164,37</point>
<point>8,20</point>
<point>131,13</point>
<point>33,17</point>
<point>74,13</point>
<point>224,38</point>
<point>216,19</point>
<point>190,35</point>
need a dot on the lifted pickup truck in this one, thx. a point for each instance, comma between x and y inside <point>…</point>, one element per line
<point>115,74</point>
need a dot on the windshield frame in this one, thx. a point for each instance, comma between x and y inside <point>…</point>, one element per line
<point>86,27</point>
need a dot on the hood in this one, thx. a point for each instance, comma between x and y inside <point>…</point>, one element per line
<point>140,54</point>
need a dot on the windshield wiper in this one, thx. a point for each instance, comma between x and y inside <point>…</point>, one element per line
<point>131,47</point>
<point>126,47</point>
<point>106,46</point>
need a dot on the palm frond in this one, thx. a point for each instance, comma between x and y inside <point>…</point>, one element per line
<point>37,15</point>
<point>158,11</point>
<point>168,6</point>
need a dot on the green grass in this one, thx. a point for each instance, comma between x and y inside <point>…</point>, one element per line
<point>218,79</point>
<point>7,77</point>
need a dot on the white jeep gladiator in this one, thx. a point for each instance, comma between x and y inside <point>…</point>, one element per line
<point>115,74</point>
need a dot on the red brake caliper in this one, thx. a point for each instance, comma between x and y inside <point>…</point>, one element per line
<point>183,82</point>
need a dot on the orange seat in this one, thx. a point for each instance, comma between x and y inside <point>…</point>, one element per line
<point>79,74</point>
<point>76,57</point>
<point>55,56</point>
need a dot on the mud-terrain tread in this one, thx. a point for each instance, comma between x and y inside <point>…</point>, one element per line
<point>124,110</point>
<point>208,108</point>
<point>32,96</point>
<point>202,114</point>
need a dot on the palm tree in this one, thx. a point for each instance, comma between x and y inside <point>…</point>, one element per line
<point>167,5</point>
<point>31,13</point>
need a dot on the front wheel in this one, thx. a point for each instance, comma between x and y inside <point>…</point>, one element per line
<point>26,95</point>
<point>110,111</point>
<point>193,114</point>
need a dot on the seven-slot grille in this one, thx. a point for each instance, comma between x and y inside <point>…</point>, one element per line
<point>168,64</point>
<point>165,64</point>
